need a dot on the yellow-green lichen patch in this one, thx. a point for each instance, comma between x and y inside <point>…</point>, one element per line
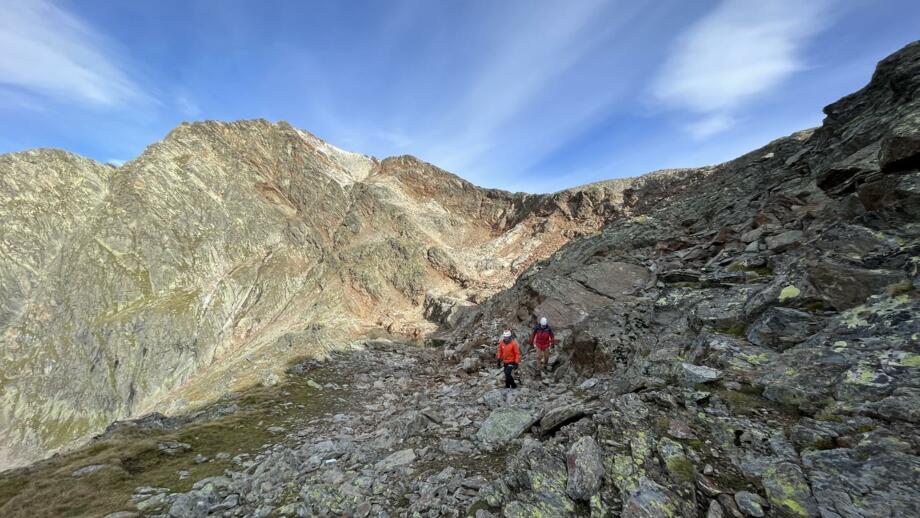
<point>755,359</point>
<point>789,292</point>
<point>862,375</point>
<point>787,489</point>
<point>911,360</point>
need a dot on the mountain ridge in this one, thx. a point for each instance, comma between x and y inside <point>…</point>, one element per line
<point>227,243</point>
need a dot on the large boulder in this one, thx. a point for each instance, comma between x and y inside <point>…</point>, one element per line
<point>690,375</point>
<point>900,148</point>
<point>780,328</point>
<point>558,417</point>
<point>879,477</point>
<point>782,242</point>
<point>650,499</point>
<point>788,491</point>
<point>504,424</point>
<point>585,468</point>
<point>843,286</point>
<point>396,459</point>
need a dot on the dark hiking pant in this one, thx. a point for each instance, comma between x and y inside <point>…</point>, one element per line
<point>509,378</point>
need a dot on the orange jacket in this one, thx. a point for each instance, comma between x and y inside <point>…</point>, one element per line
<point>509,352</point>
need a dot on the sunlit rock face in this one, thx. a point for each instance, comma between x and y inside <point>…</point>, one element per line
<point>227,249</point>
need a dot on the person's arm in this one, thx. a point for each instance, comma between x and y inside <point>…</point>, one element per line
<point>533,336</point>
<point>517,354</point>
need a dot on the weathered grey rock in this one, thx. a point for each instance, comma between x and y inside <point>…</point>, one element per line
<point>504,424</point>
<point>173,447</point>
<point>456,447</point>
<point>902,405</point>
<point>690,375</point>
<point>585,468</point>
<point>539,477</point>
<point>722,279</point>
<point>780,328</point>
<point>396,459</point>
<point>678,465</point>
<point>714,510</point>
<point>811,434</point>
<point>788,491</point>
<point>86,470</point>
<point>844,286</point>
<point>187,506</point>
<point>785,241</point>
<point>612,279</point>
<point>881,467</point>
<point>900,149</point>
<point>154,502</point>
<point>561,416</point>
<point>750,503</point>
<point>651,500</point>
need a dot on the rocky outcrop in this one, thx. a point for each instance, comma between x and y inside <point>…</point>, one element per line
<point>765,329</point>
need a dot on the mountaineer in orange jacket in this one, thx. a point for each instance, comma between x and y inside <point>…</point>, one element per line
<point>509,355</point>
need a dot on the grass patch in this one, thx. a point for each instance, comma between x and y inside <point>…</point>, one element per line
<point>739,330</point>
<point>748,403</point>
<point>900,287</point>
<point>816,306</point>
<point>133,459</point>
<point>681,469</point>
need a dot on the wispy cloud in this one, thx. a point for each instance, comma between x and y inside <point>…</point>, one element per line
<point>50,53</point>
<point>187,106</point>
<point>709,125</point>
<point>535,85</point>
<point>737,52</point>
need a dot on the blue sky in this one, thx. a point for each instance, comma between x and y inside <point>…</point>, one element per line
<point>523,95</point>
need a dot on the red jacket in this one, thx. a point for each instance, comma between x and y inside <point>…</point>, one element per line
<point>542,337</point>
<point>509,352</point>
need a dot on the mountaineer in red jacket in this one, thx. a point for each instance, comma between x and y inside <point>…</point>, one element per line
<point>509,355</point>
<point>543,338</point>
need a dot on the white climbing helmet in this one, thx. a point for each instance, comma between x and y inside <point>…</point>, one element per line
<point>506,334</point>
<point>543,321</point>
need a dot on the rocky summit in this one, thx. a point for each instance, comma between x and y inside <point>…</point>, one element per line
<point>303,331</point>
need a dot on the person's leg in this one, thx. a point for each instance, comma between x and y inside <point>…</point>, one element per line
<point>511,375</point>
<point>543,359</point>
<point>508,380</point>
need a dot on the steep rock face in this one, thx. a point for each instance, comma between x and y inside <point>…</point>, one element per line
<point>226,250</point>
<point>789,277</point>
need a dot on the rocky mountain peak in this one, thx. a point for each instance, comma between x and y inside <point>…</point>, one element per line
<point>224,250</point>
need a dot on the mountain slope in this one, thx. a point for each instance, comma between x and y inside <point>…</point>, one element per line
<point>764,322</point>
<point>226,250</point>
